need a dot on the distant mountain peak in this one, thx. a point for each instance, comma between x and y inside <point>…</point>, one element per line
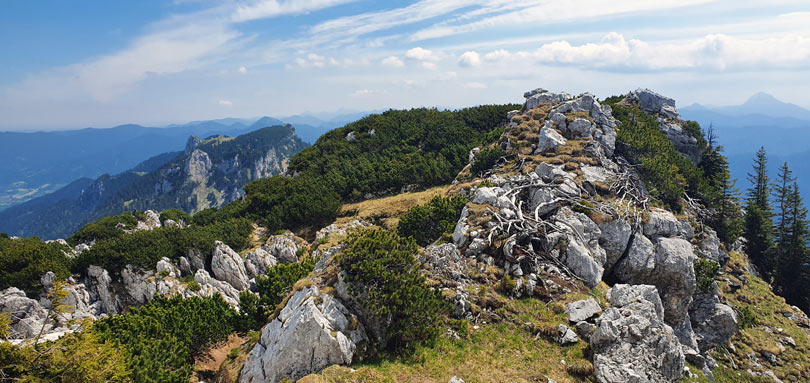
<point>762,97</point>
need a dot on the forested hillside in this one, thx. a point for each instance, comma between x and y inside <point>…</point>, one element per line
<point>209,173</point>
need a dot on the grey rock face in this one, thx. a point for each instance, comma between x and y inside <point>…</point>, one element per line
<point>578,240</point>
<point>257,261</point>
<point>313,331</point>
<point>714,323</point>
<point>540,96</point>
<point>651,102</point>
<point>614,239</point>
<point>283,248</point>
<point>210,286</point>
<point>27,316</point>
<point>709,247</point>
<point>100,287</point>
<point>582,310</point>
<point>229,266</point>
<point>662,223</point>
<point>136,286</point>
<point>668,265</point>
<point>198,165</point>
<point>549,139</point>
<point>632,343</point>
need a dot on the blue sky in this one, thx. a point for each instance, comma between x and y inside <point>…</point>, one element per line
<point>69,65</point>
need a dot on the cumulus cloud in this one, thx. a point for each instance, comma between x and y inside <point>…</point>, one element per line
<point>469,59</point>
<point>714,52</point>
<point>225,102</point>
<point>428,65</point>
<point>421,54</point>
<point>242,69</point>
<point>393,62</point>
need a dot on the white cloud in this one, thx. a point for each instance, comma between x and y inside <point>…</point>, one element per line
<point>225,102</point>
<point>364,23</point>
<point>393,62</point>
<point>272,8</point>
<point>469,59</point>
<point>362,93</point>
<point>242,69</point>
<point>421,54</point>
<point>428,65</point>
<point>713,52</point>
<point>553,11</point>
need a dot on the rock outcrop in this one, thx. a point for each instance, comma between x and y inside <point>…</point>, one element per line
<point>632,343</point>
<point>314,330</point>
<point>228,266</point>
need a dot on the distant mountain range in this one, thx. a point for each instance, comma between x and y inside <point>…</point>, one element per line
<point>762,121</point>
<point>208,173</point>
<point>36,164</point>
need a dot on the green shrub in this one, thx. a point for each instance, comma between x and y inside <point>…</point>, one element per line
<point>144,248</point>
<point>666,172</point>
<point>705,272</point>
<point>23,261</point>
<point>162,337</point>
<point>102,229</point>
<point>426,223</point>
<point>272,289</point>
<point>385,276</point>
<point>193,286</point>
<point>175,215</point>
<point>486,159</point>
<point>746,317</point>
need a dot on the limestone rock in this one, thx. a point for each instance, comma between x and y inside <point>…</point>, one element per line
<point>713,322</point>
<point>210,286</point>
<point>27,316</point>
<point>100,285</point>
<point>614,239</point>
<point>313,331</point>
<point>668,265</point>
<point>228,266</point>
<point>549,139</point>
<point>632,343</point>
<point>444,259</point>
<point>257,261</point>
<point>651,102</point>
<point>566,336</point>
<point>578,242</point>
<point>582,310</point>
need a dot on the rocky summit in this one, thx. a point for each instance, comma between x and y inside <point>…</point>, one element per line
<point>560,250</point>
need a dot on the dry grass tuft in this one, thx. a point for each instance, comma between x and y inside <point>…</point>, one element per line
<point>580,368</point>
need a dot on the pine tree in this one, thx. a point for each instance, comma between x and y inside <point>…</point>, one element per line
<point>793,244</point>
<point>782,194</point>
<point>728,223</point>
<point>758,227</point>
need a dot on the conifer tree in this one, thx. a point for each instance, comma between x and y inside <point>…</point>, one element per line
<point>792,274</point>
<point>758,227</point>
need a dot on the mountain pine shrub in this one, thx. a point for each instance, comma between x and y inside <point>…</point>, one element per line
<point>385,276</point>
<point>429,222</point>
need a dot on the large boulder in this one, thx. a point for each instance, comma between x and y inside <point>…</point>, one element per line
<point>227,265</point>
<point>541,96</point>
<point>582,310</point>
<point>549,139</point>
<point>651,102</point>
<point>614,239</point>
<point>26,315</point>
<point>667,265</point>
<point>283,248</point>
<point>257,261</point>
<point>136,284</point>
<point>210,286</point>
<point>100,287</point>
<point>313,331</point>
<point>632,343</point>
<point>714,323</point>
